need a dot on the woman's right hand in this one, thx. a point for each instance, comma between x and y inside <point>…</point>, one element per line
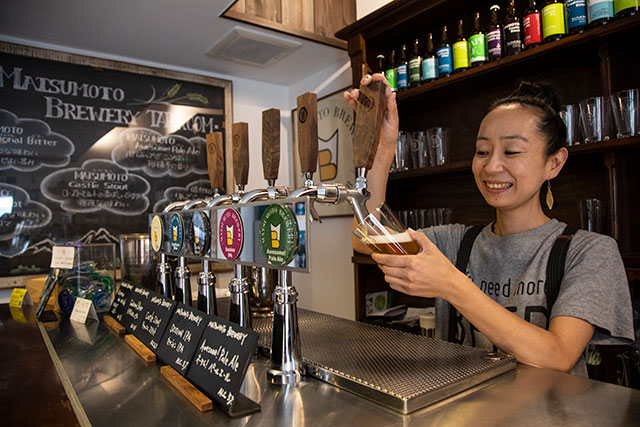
<point>390,121</point>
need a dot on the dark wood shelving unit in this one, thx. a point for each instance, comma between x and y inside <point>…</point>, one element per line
<point>598,62</point>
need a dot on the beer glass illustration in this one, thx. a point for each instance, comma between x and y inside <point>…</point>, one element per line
<point>383,232</point>
<point>275,236</point>
<point>229,235</point>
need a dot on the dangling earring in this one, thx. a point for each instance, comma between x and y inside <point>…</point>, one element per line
<point>549,196</point>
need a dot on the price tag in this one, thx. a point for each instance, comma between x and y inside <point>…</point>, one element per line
<point>63,256</point>
<point>20,297</point>
<point>83,309</point>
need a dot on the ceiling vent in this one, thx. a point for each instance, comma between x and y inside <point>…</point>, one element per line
<point>252,47</point>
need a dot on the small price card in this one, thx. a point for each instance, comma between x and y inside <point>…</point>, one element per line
<point>20,297</point>
<point>83,309</point>
<point>63,256</point>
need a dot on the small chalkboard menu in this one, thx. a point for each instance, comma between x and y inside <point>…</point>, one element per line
<point>121,301</point>
<point>181,337</point>
<point>138,299</point>
<point>155,318</point>
<point>220,363</point>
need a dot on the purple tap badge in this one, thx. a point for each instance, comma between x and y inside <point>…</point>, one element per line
<point>230,234</point>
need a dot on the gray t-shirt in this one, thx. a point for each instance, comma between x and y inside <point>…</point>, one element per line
<point>511,270</point>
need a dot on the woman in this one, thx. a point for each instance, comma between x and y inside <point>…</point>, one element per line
<point>519,147</point>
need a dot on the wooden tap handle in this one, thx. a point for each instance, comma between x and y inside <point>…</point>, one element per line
<point>215,160</point>
<point>368,123</point>
<point>240,133</point>
<point>271,143</point>
<point>308,131</point>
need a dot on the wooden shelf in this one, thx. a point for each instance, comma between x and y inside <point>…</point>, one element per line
<point>574,150</point>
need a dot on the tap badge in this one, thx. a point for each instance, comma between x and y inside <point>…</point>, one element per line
<point>278,234</point>
<point>230,234</point>
<point>175,237</point>
<point>200,233</point>
<point>156,233</point>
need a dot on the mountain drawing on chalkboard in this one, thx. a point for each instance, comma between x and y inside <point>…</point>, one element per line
<point>101,235</point>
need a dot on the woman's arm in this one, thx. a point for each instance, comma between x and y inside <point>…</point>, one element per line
<point>379,173</point>
<point>430,274</point>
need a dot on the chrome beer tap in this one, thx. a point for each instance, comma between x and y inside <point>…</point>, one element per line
<point>163,269</point>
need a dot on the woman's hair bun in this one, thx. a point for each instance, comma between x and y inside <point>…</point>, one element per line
<point>540,92</point>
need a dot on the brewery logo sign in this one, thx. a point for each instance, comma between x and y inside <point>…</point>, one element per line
<point>175,232</point>
<point>156,233</point>
<point>231,234</point>
<point>278,235</point>
<point>200,233</point>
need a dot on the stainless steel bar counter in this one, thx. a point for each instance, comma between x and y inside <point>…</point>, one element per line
<point>110,385</point>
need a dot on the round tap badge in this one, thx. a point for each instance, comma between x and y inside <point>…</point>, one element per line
<point>200,233</point>
<point>175,233</point>
<point>278,235</point>
<point>156,233</point>
<point>231,234</point>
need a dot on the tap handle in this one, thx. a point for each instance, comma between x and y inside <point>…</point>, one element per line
<point>271,143</point>
<point>308,131</point>
<point>241,152</point>
<point>215,160</point>
<point>368,123</point>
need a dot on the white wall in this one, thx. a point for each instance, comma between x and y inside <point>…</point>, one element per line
<point>365,7</point>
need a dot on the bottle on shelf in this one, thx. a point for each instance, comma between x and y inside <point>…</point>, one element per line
<point>429,62</point>
<point>576,16</point>
<point>512,31</point>
<point>460,51</point>
<point>626,7</point>
<point>403,69</point>
<point>415,65</point>
<point>494,35</point>
<point>391,73</point>
<point>532,24</point>
<point>554,20</point>
<point>380,64</point>
<point>477,44</point>
<point>599,11</point>
<point>444,54</point>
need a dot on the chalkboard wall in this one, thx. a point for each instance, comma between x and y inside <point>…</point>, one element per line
<point>88,148</point>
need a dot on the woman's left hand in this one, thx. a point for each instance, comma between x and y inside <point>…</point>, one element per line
<point>428,274</point>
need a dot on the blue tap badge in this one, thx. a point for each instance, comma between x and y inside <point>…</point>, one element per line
<point>175,232</point>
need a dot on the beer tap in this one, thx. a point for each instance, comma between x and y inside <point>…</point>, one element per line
<point>164,277</point>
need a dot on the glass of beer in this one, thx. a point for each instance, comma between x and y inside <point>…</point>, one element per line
<point>383,232</point>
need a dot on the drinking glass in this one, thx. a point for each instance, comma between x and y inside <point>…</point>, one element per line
<point>595,119</point>
<point>382,232</point>
<point>626,112</point>
<point>571,118</point>
<point>438,138</point>
<point>592,215</point>
<point>402,149</point>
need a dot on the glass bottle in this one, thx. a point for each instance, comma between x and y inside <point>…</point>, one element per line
<point>380,64</point>
<point>460,51</point>
<point>532,24</point>
<point>512,31</point>
<point>576,15</point>
<point>415,65</point>
<point>599,11</point>
<point>403,69</point>
<point>626,7</point>
<point>445,56</point>
<point>477,44</point>
<point>554,20</point>
<point>429,62</point>
<point>391,72</point>
<point>494,35</point>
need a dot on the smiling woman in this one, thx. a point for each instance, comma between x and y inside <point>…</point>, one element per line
<point>498,295</point>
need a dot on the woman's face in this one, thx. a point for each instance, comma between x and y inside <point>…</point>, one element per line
<point>510,164</point>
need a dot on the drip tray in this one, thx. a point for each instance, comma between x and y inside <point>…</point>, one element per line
<point>401,371</point>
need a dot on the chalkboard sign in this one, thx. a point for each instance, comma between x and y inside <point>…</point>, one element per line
<point>138,300</point>
<point>221,360</point>
<point>181,338</point>
<point>156,315</point>
<point>90,147</point>
<point>121,301</point>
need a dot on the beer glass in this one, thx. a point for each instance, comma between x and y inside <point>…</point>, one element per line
<point>382,232</point>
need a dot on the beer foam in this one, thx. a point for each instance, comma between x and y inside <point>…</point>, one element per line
<point>403,237</point>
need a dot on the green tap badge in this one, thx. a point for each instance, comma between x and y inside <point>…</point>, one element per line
<point>278,235</point>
